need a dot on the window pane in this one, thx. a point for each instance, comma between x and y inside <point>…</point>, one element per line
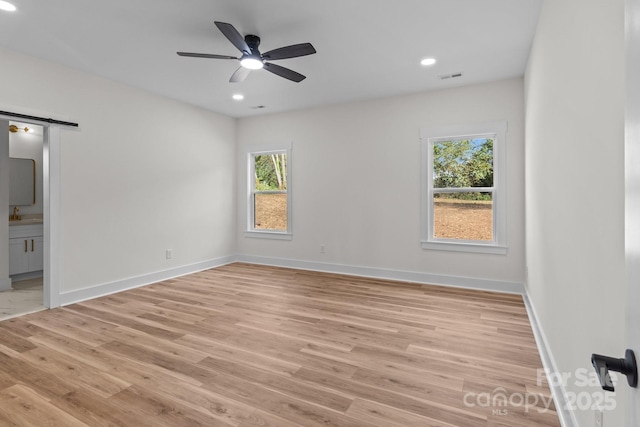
<point>463,163</point>
<point>464,216</point>
<point>270,211</point>
<point>271,172</point>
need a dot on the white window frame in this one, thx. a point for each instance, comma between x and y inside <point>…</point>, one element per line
<point>428,136</point>
<point>251,231</point>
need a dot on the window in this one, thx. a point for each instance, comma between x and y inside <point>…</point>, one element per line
<point>269,197</point>
<point>463,207</point>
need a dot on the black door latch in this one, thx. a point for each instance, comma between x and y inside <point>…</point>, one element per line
<point>626,366</point>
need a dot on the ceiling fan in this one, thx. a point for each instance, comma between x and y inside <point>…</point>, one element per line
<point>252,59</point>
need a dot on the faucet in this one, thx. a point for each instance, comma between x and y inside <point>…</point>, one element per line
<point>15,216</point>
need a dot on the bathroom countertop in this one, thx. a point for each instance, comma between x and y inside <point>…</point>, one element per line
<point>27,219</point>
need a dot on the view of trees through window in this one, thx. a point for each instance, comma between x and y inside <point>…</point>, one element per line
<point>270,195</point>
<point>460,167</point>
<point>463,188</point>
<point>271,172</point>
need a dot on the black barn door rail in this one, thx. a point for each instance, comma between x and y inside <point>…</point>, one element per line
<point>39,119</point>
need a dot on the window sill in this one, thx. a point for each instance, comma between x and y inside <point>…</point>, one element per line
<point>465,247</point>
<point>276,235</point>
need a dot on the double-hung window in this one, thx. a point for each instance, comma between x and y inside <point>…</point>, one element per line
<point>463,188</point>
<point>269,193</point>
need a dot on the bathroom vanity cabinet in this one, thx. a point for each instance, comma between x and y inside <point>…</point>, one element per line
<point>26,247</point>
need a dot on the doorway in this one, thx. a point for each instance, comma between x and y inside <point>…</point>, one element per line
<point>26,207</point>
<point>51,202</point>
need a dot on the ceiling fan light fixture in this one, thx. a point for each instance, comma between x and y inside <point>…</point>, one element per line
<point>252,63</point>
<point>5,5</point>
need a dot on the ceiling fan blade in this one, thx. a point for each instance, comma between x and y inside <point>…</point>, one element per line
<point>284,72</point>
<point>205,55</point>
<point>239,75</point>
<point>292,51</point>
<point>234,36</point>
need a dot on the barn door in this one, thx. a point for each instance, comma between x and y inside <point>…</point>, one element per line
<point>632,192</point>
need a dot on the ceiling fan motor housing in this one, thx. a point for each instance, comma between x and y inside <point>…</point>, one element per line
<point>253,42</point>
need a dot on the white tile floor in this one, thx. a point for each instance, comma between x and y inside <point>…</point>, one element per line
<point>24,298</point>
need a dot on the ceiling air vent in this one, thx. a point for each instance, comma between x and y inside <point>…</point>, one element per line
<point>450,76</point>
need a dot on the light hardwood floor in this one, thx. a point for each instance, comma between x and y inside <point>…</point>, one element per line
<point>245,345</point>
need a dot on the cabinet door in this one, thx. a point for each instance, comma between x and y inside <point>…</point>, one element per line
<point>18,256</point>
<point>36,253</point>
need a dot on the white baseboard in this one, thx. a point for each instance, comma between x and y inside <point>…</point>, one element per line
<point>5,284</point>
<point>71,297</point>
<point>384,273</point>
<point>373,272</point>
<point>567,417</point>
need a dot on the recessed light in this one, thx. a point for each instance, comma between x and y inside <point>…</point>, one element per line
<point>428,61</point>
<point>238,96</point>
<point>5,5</point>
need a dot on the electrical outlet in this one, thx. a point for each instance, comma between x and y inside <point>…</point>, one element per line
<point>169,253</point>
<point>321,249</point>
<point>599,418</point>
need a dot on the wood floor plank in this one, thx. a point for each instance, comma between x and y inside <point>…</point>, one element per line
<point>15,342</point>
<point>246,345</point>
<point>385,416</point>
<point>163,411</point>
<point>75,372</point>
<point>282,405</point>
<point>193,396</point>
<point>283,384</point>
<point>19,326</point>
<point>454,414</point>
<point>95,411</point>
<point>254,359</point>
<point>261,418</point>
<point>24,373</point>
<point>73,327</point>
<point>22,406</point>
<point>172,348</point>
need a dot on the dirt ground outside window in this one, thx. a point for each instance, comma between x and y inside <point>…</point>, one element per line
<point>463,219</point>
<point>454,219</point>
<point>271,212</point>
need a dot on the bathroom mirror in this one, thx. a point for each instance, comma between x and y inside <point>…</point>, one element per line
<point>22,182</point>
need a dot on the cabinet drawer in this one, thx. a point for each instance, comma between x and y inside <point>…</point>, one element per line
<point>20,231</point>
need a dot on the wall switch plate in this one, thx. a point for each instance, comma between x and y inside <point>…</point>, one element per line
<point>321,249</point>
<point>169,253</point>
<point>599,418</point>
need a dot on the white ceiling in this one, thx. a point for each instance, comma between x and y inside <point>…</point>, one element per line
<point>366,48</point>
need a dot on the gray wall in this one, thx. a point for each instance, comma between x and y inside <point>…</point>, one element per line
<point>575,187</point>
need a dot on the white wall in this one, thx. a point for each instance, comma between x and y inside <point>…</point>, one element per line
<point>29,146</point>
<point>575,186</point>
<point>141,175</point>
<point>356,181</point>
